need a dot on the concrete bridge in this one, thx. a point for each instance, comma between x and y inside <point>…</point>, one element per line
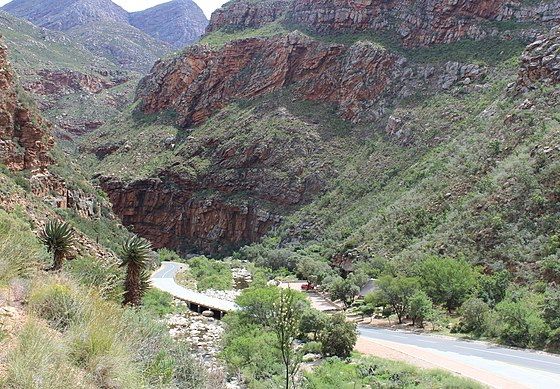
<point>164,279</point>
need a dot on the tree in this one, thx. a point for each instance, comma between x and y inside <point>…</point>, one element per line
<point>312,322</point>
<point>343,290</point>
<point>339,337</point>
<point>420,307</point>
<point>447,281</point>
<point>286,319</point>
<point>396,292</point>
<point>135,254</point>
<point>58,236</point>
<point>313,270</point>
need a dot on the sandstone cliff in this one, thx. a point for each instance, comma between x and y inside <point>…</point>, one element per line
<point>414,22</point>
<point>24,138</point>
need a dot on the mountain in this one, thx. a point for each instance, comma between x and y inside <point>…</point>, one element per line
<point>369,128</point>
<point>62,15</point>
<point>133,41</point>
<point>74,89</point>
<point>178,22</point>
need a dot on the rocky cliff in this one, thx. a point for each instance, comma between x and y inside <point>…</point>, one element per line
<point>362,80</point>
<point>413,22</point>
<point>540,62</point>
<point>24,138</point>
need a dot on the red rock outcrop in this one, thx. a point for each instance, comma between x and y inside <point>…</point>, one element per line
<point>203,80</point>
<point>415,22</point>
<point>250,183</point>
<point>540,63</point>
<point>24,138</point>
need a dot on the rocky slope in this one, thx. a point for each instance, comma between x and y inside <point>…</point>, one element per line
<point>24,139</point>
<point>540,63</point>
<point>73,88</point>
<point>178,22</point>
<point>361,143</point>
<point>133,41</point>
<point>412,22</point>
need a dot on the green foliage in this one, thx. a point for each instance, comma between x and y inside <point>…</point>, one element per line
<point>57,303</point>
<point>313,270</point>
<point>20,250</point>
<point>285,323</point>
<point>338,337</point>
<point>447,281</point>
<point>135,256</point>
<point>521,323</point>
<point>368,372</point>
<point>158,302</point>
<point>397,292</point>
<point>96,274</point>
<point>493,287</point>
<point>342,289</point>
<point>420,307</point>
<point>475,314</point>
<point>210,274</point>
<point>312,322</point>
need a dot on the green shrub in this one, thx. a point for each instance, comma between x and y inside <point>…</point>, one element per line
<point>521,322</point>
<point>312,322</point>
<point>158,302</point>
<point>210,274</point>
<point>339,337</point>
<point>96,274</point>
<point>312,348</point>
<point>474,316</point>
<point>447,281</point>
<point>420,307</point>
<point>39,357</point>
<point>57,302</point>
<point>20,250</point>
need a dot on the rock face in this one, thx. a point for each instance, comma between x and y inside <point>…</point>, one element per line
<point>178,22</point>
<point>24,138</point>
<point>361,80</point>
<point>203,80</point>
<point>540,62</point>
<point>414,22</point>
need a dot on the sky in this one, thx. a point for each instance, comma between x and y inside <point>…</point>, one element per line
<point>138,5</point>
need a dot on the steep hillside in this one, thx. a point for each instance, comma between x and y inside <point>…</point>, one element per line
<point>368,146</point>
<point>178,22</point>
<point>133,41</point>
<point>73,88</point>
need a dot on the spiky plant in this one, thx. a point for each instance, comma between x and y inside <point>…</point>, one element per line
<point>58,236</point>
<point>135,253</point>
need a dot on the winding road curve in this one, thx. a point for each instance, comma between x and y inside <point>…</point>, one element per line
<point>493,365</point>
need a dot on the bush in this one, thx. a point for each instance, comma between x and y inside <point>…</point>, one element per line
<point>157,302</point>
<point>339,337</point>
<point>474,316</point>
<point>94,273</point>
<point>57,302</point>
<point>521,321</point>
<point>343,290</point>
<point>20,250</point>
<point>210,274</point>
<point>420,307</point>
<point>396,292</point>
<point>312,348</point>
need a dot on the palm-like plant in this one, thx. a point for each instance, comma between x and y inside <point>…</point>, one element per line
<point>135,253</point>
<point>58,236</point>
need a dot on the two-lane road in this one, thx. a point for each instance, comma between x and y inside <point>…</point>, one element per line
<point>523,367</point>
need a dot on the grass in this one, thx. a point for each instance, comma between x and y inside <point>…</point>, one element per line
<point>204,273</point>
<point>365,372</point>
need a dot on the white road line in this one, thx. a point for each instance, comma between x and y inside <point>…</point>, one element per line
<point>510,355</point>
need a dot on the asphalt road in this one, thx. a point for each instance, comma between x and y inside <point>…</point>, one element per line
<point>528,368</point>
<point>164,279</point>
